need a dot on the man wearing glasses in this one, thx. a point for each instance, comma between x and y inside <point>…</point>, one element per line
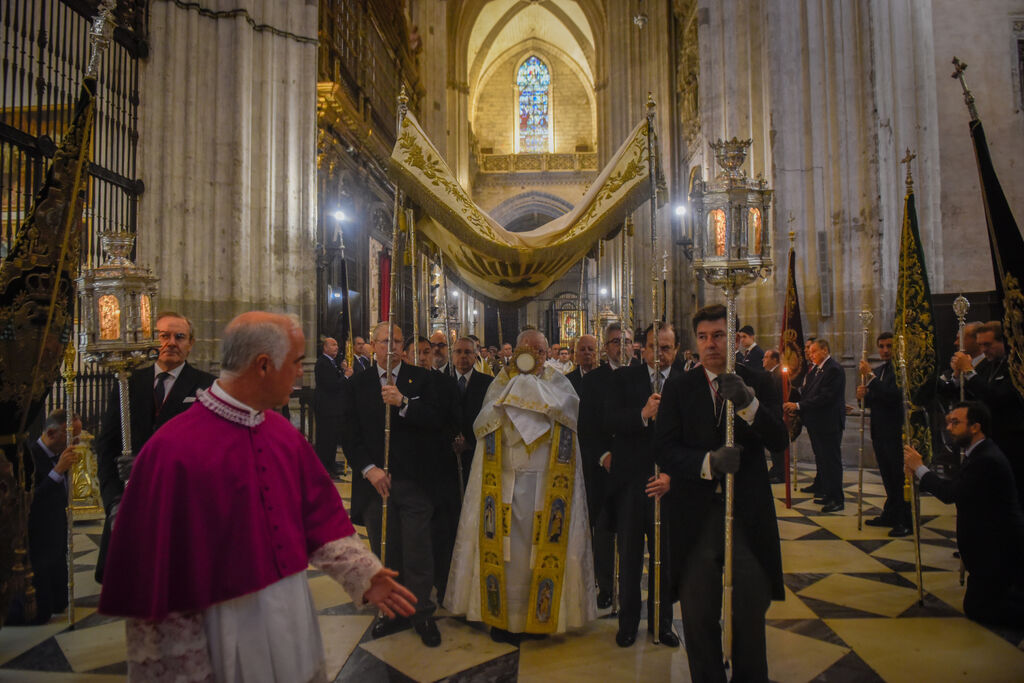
<point>155,395</point>
<point>440,346</point>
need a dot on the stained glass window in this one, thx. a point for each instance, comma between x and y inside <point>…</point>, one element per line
<point>534,82</point>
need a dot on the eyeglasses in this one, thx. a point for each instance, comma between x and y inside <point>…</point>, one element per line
<point>439,345</point>
<point>165,336</point>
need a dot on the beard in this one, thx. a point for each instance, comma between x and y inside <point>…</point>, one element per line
<point>962,441</point>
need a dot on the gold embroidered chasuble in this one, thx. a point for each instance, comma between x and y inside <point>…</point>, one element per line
<point>526,433</point>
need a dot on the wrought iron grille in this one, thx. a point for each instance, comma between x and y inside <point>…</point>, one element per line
<point>45,51</point>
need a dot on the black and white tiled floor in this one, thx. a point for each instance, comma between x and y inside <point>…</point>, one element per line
<point>850,614</point>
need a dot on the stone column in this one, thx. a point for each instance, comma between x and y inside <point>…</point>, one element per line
<point>228,141</point>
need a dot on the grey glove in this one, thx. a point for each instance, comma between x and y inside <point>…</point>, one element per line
<point>725,460</point>
<point>124,466</point>
<point>733,388</point>
<point>113,514</point>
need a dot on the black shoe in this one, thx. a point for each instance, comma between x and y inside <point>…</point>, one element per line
<point>604,600</point>
<point>623,639</point>
<point>532,636</point>
<point>881,520</point>
<point>899,531</point>
<point>667,638</point>
<point>427,628</point>
<point>500,635</point>
<point>774,478</point>
<point>809,489</point>
<point>821,500</point>
<point>385,627</point>
<point>833,506</point>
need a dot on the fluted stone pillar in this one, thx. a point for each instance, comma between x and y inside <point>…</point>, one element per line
<point>227,153</point>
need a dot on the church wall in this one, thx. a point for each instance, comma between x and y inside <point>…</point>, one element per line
<point>227,151</point>
<point>986,38</point>
<point>495,120</point>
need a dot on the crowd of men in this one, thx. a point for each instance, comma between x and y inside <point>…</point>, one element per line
<point>452,453</point>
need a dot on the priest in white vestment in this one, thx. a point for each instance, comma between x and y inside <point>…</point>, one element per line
<point>522,562</point>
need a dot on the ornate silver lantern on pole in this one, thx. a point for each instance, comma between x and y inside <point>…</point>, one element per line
<point>118,309</point>
<point>733,248</point>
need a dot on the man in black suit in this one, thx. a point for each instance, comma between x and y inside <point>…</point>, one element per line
<point>155,394</point>
<point>52,460</point>
<point>361,355</point>
<point>592,382</point>
<point>772,364</point>
<point>822,408</point>
<point>990,382</point>
<point>632,486</point>
<point>460,399</point>
<point>328,405</point>
<point>691,451</point>
<point>749,354</point>
<point>883,398</point>
<point>989,521</point>
<point>412,471</point>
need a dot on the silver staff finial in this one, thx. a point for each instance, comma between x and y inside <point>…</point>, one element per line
<point>100,34</point>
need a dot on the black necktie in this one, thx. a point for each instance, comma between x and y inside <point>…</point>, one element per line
<point>719,401</point>
<point>159,391</point>
<point>462,384</point>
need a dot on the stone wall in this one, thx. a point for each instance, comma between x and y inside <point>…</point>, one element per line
<point>495,114</point>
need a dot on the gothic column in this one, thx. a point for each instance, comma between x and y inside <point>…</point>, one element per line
<point>228,141</point>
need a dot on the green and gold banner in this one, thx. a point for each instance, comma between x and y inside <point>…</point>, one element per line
<point>916,325</point>
<point>509,266</point>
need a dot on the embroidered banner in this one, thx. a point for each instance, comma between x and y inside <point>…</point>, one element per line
<point>509,266</point>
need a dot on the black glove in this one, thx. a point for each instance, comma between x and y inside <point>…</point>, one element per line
<point>124,466</point>
<point>726,460</point>
<point>733,388</point>
<point>113,514</point>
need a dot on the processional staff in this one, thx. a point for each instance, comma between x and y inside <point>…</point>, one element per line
<point>865,322</point>
<point>652,179</point>
<point>413,259</point>
<point>910,492</point>
<point>69,390</point>
<point>960,307</point>
<point>403,108</point>
<point>449,370</point>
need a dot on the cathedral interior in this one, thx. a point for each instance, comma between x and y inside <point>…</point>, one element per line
<point>250,148</point>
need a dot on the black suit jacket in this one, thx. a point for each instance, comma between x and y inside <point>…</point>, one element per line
<point>413,454</point>
<point>328,392</point>
<point>470,405</point>
<point>632,446</point>
<point>47,518</point>
<point>989,521</point>
<point>823,398</point>
<point>885,401</point>
<point>991,384</point>
<point>594,433</point>
<point>360,363</point>
<point>754,360</point>
<point>143,421</point>
<point>687,430</point>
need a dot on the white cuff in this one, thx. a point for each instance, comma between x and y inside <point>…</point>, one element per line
<point>705,468</point>
<point>921,471</point>
<point>750,412</point>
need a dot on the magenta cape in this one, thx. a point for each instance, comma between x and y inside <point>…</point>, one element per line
<point>215,510</point>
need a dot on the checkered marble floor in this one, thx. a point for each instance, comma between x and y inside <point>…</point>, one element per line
<point>851,614</point>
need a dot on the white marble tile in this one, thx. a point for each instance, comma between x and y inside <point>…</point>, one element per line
<point>340,636</point>
<point>462,647</point>
<point>793,657</point>
<point>90,648</point>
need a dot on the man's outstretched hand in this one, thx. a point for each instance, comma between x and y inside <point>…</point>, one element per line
<point>389,596</point>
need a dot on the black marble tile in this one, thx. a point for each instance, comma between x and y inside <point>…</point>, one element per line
<point>1014,636</point>
<point>933,607</point>
<point>896,565</point>
<point>829,610</point>
<point>797,582</point>
<point>46,656</point>
<point>849,669</point>
<point>347,609</point>
<point>889,578</point>
<point>88,601</point>
<point>94,619</point>
<point>800,520</point>
<point>820,535</point>
<point>362,667</point>
<point>812,628</point>
<point>941,543</point>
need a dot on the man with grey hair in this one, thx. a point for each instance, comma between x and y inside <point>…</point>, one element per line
<point>155,394</point>
<point>523,563</point>
<point>227,506</point>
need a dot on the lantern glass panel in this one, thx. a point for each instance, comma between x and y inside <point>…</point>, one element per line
<point>110,317</point>
<point>716,231</point>
<point>756,231</point>
<point>146,315</point>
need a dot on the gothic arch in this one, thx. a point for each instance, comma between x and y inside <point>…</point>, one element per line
<point>526,204</point>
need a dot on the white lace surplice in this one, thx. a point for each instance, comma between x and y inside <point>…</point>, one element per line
<point>269,635</point>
